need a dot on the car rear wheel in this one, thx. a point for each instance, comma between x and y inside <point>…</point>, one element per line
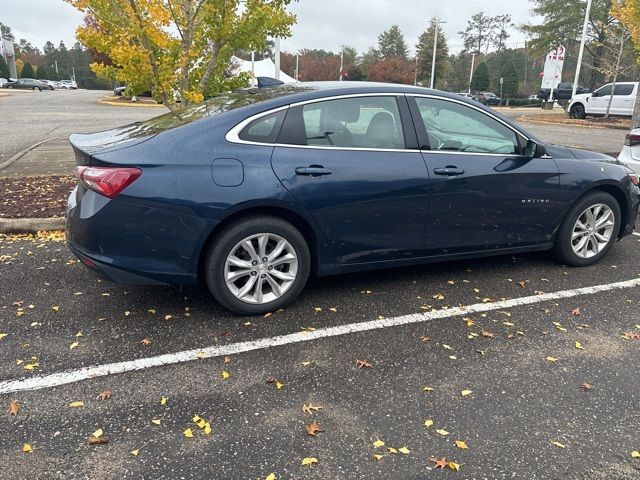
<point>257,265</point>
<point>589,230</point>
<point>36,89</point>
<point>10,86</point>
<point>577,111</point>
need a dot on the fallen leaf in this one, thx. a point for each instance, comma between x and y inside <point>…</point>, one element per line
<point>14,408</point>
<point>441,463</point>
<point>363,364</point>
<point>152,310</point>
<point>225,374</point>
<point>442,431</point>
<point>227,360</point>
<point>55,308</point>
<point>391,450</point>
<point>428,423</point>
<point>424,339</point>
<point>156,421</point>
<point>309,461</point>
<point>163,401</point>
<point>310,408</point>
<point>188,433</point>
<point>135,452</point>
<point>522,284</point>
<point>551,359</point>
<point>207,429</point>
<point>378,443</point>
<point>438,296</point>
<point>97,440</point>
<point>427,389</point>
<point>447,347</point>
<point>461,444</point>
<point>168,317</point>
<point>2,335</point>
<point>26,448</point>
<point>98,433</point>
<point>454,466</point>
<point>466,393</point>
<point>586,386</point>
<point>558,444</point>
<point>635,454</point>
<point>145,342</point>
<point>271,476</point>
<point>279,385</point>
<point>73,345</point>
<point>77,404</point>
<point>404,450</point>
<point>104,395</point>
<point>579,346</point>
<point>575,311</point>
<point>377,457</point>
<point>313,428</point>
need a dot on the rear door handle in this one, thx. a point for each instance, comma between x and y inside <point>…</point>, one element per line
<point>449,171</point>
<point>313,170</point>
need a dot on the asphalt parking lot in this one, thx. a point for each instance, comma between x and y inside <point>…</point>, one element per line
<point>503,374</point>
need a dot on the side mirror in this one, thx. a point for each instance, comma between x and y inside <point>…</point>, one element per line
<point>535,150</point>
<point>595,94</point>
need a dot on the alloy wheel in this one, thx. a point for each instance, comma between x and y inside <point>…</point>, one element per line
<point>592,230</point>
<point>260,268</point>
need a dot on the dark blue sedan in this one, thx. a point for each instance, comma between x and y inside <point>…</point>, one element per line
<point>254,190</point>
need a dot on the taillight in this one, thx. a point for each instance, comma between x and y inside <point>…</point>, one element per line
<point>632,139</point>
<point>634,179</point>
<point>107,181</point>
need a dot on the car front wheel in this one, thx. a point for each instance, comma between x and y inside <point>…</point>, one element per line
<point>577,111</point>
<point>589,230</point>
<point>257,265</point>
<point>36,89</point>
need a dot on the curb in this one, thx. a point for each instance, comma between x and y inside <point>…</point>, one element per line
<point>135,105</point>
<point>19,155</point>
<point>31,225</point>
<point>526,119</point>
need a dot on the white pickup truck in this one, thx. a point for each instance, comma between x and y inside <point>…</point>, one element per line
<point>595,104</point>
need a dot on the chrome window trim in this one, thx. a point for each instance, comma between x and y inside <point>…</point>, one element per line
<point>232,135</point>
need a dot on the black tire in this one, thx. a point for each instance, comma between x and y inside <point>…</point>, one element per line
<point>10,86</point>
<point>229,238</point>
<point>577,111</point>
<point>36,89</point>
<point>563,250</point>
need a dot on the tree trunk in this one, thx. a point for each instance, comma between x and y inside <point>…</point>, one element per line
<point>635,120</point>
<point>615,75</point>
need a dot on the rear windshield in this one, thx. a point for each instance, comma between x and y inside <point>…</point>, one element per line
<point>213,106</point>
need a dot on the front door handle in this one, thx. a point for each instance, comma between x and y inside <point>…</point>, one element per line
<point>449,171</point>
<point>313,170</point>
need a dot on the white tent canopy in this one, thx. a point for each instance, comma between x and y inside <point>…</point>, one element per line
<point>261,68</point>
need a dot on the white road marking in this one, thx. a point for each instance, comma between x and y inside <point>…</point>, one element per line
<point>636,233</point>
<point>71,376</point>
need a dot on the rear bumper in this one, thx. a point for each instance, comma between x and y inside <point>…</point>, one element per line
<point>135,244</point>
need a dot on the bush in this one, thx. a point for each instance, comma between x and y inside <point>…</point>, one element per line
<point>524,102</point>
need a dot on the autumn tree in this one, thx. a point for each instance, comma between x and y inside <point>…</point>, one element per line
<point>392,70</point>
<point>424,54</point>
<point>628,13</point>
<point>27,71</point>
<point>481,79</point>
<point>181,46</point>
<point>391,43</point>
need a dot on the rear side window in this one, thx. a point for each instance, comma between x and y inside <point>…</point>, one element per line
<point>623,90</point>
<point>264,129</point>
<point>357,122</point>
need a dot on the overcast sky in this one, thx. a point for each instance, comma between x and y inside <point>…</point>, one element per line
<point>321,23</point>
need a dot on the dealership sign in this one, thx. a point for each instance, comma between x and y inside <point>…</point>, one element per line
<point>553,64</point>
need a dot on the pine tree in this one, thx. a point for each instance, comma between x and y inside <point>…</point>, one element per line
<point>424,53</point>
<point>4,68</point>
<point>41,72</point>
<point>27,71</point>
<point>481,79</point>
<point>391,43</point>
<point>509,75</point>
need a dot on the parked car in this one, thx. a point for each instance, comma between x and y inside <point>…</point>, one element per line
<point>119,91</point>
<point>255,190</point>
<point>630,154</point>
<point>467,95</point>
<point>28,84</point>
<point>595,104</point>
<point>69,84</point>
<point>50,85</point>
<point>488,98</point>
<point>563,92</point>
<point>3,82</point>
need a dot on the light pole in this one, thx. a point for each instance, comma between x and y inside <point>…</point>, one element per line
<point>297,67</point>
<point>341,60</point>
<point>435,47</point>
<point>582,42</point>
<point>277,58</point>
<point>473,59</point>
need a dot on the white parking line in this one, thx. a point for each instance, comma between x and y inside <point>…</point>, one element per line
<point>71,376</point>
<point>636,233</point>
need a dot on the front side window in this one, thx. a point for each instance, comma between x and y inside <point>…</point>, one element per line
<point>455,127</point>
<point>604,91</point>
<point>358,122</point>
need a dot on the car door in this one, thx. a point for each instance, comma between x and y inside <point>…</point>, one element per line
<point>597,104</point>
<point>354,165</point>
<point>485,193</point>
<point>623,99</point>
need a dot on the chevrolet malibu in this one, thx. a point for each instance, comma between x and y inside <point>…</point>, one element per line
<point>255,190</point>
